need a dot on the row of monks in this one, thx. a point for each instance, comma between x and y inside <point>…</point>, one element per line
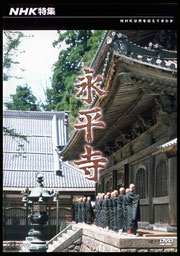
<point>83,210</point>
<point>114,211</point>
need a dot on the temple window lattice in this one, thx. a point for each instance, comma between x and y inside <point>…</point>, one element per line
<point>140,183</point>
<point>161,179</point>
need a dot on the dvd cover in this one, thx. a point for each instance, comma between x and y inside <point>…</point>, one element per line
<point>89,127</point>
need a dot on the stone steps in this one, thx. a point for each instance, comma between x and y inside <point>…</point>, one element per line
<point>50,248</point>
<point>64,239</point>
<point>75,227</point>
<point>65,236</point>
<point>60,239</point>
<point>55,244</point>
<point>70,232</point>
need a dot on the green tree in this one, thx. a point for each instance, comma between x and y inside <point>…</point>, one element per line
<point>11,43</point>
<point>23,100</point>
<point>81,46</point>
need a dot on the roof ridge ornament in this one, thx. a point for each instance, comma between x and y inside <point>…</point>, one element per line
<point>153,53</point>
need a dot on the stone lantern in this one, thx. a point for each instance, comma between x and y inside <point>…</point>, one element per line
<point>37,198</point>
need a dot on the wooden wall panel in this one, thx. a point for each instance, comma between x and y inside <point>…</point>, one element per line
<point>161,213</point>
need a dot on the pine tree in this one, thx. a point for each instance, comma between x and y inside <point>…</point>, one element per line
<point>23,99</point>
<point>81,47</point>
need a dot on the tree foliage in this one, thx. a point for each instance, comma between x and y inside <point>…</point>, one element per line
<point>18,137</point>
<point>81,46</point>
<point>23,99</point>
<point>12,41</point>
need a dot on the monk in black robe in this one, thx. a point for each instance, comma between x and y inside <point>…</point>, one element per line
<point>76,211</point>
<point>80,210</point>
<point>101,217</point>
<point>111,211</point>
<point>115,226</point>
<point>133,213</point>
<point>125,210</point>
<point>106,211</point>
<point>97,210</point>
<point>84,210</point>
<point>121,210</point>
<point>73,210</point>
<point>89,211</point>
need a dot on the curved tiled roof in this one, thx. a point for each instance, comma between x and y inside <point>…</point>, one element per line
<point>33,144</point>
<point>152,54</point>
<point>69,179</point>
<point>25,161</point>
<point>168,144</point>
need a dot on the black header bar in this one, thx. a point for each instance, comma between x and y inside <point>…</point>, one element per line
<point>76,15</point>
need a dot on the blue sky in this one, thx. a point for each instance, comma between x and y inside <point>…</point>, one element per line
<point>37,61</point>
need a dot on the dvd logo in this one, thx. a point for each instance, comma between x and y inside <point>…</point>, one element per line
<point>166,241</point>
<point>22,11</point>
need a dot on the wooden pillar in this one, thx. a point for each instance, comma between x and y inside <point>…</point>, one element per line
<point>172,166</point>
<point>130,175</point>
<point>172,171</point>
<point>151,173</point>
<point>72,205</point>
<point>49,215</point>
<point>103,185</point>
<point>126,175</point>
<point>172,129</point>
<point>26,216</point>
<point>114,179</point>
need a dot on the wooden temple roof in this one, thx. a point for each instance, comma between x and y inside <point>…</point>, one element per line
<point>133,76</point>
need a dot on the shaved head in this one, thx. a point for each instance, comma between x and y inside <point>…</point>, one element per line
<point>115,192</point>
<point>122,190</point>
<point>127,190</point>
<point>108,194</point>
<point>132,187</point>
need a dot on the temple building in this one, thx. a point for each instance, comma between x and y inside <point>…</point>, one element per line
<point>46,133</point>
<point>139,70</point>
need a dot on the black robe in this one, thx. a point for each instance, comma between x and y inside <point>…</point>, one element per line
<point>81,203</point>
<point>106,213</point>
<point>115,226</point>
<point>111,213</point>
<point>103,212</point>
<point>101,217</point>
<point>89,213</point>
<point>132,211</point>
<point>84,211</point>
<point>76,211</point>
<point>97,211</point>
<point>121,211</point>
<point>73,211</point>
<point>79,212</point>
